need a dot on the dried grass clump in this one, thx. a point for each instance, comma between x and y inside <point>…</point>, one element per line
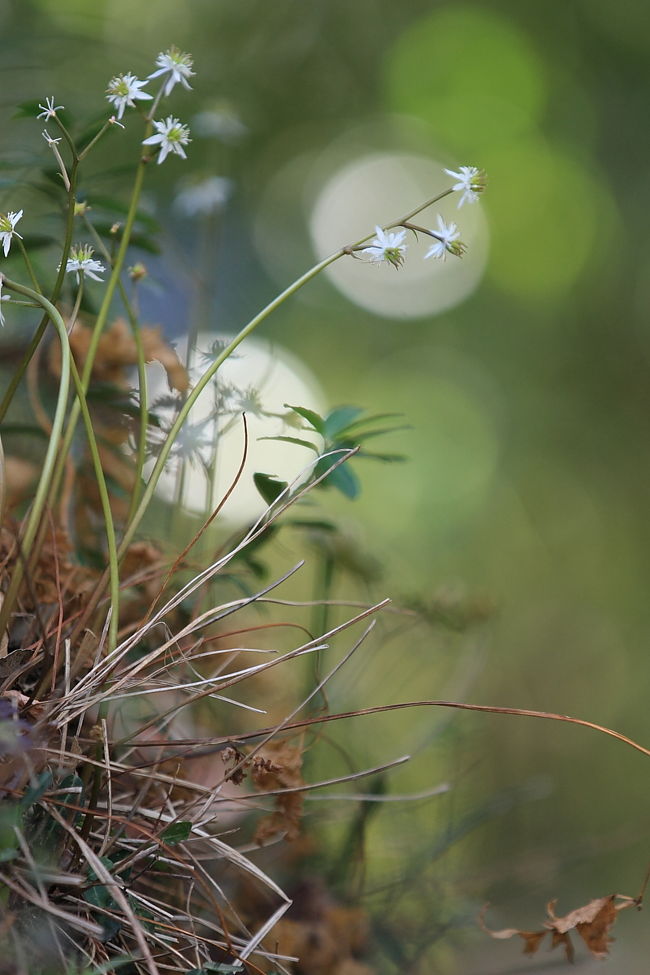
<point>128,832</point>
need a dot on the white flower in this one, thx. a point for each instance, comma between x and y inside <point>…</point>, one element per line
<point>471,181</point>
<point>387,247</point>
<point>123,90</point>
<point>205,197</point>
<point>2,298</point>
<point>177,65</point>
<point>171,136</point>
<point>81,260</point>
<point>446,241</point>
<point>48,138</point>
<point>49,109</point>
<point>7,223</point>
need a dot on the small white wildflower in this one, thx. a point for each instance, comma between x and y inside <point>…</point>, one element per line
<point>387,247</point>
<point>177,65</point>
<point>471,181</point>
<point>113,121</point>
<point>49,109</point>
<point>207,196</point>
<point>124,90</point>
<point>48,138</point>
<point>81,261</point>
<point>446,241</point>
<point>8,222</point>
<point>172,135</point>
<point>2,298</point>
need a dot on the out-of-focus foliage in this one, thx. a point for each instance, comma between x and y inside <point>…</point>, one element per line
<point>528,403</point>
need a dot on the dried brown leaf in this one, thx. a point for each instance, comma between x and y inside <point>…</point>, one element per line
<point>592,921</point>
<point>278,766</point>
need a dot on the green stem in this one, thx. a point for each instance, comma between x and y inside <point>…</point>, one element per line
<point>142,376</point>
<point>101,321</point>
<point>68,367</point>
<point>56,291</point>
<point>51,454</point>
<point>28,265</point>
<point>84,152</point>
<point>203,382</point>
<point>113,565</point>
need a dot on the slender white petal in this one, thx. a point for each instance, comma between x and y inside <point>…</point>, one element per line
<point>2,298</point>
<point>446,240</point>
<point>387,247</point>
<point>81,261</point>
<point>123,90</point>
<point>177,66</point>
<point>8,223</point>
<point>470,183</point>
<point>49,109</point>
<point>171,136</point>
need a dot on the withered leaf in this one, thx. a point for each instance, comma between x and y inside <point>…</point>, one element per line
<point>278,766</point>
<point>117,353</point>
<point>593,923</point>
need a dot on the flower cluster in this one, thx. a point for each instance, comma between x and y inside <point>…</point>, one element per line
<point>390,247</point>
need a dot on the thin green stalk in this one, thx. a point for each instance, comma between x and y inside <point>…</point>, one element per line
<point>86,149</point>
<point>51,454</point>
<point>97,465</point>
<point>101,321</point>
<point>166,447</point>
<point>141,448</point>
<point>113,566</point>
<point>203,382</point>
<point>56,291</point>
<point>28,265</point>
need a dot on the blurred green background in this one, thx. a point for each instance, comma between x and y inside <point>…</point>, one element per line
<point>526,388</point>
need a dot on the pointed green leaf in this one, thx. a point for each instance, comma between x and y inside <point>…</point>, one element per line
<point>314,419</point>
<point>269,486</point>
<point>339,419</point>
<point>359,437</point>
<point>294,440</point>
<point>176,832</point>
<point>386,458</point>
<point>341,477</point>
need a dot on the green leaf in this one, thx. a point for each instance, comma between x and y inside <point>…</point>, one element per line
<point>314,419</point>
<point>339,419</point>
<point>176,832</point>
<point>359,437</point>
<point>341,478</point>
<point>217,968</point>
<point>386,458</point>
<point>315,525</point>
<point>107,967</point>
<point>35,792</point>
<point>294,440</point>
<point>269,486</point>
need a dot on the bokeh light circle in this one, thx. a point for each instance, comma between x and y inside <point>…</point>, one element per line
<point>264,375</point>
<point>376,188</point>
<point>495,90</point>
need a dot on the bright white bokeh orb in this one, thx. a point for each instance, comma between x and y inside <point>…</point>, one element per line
<point>277,377</point>
<point>378,188</point>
